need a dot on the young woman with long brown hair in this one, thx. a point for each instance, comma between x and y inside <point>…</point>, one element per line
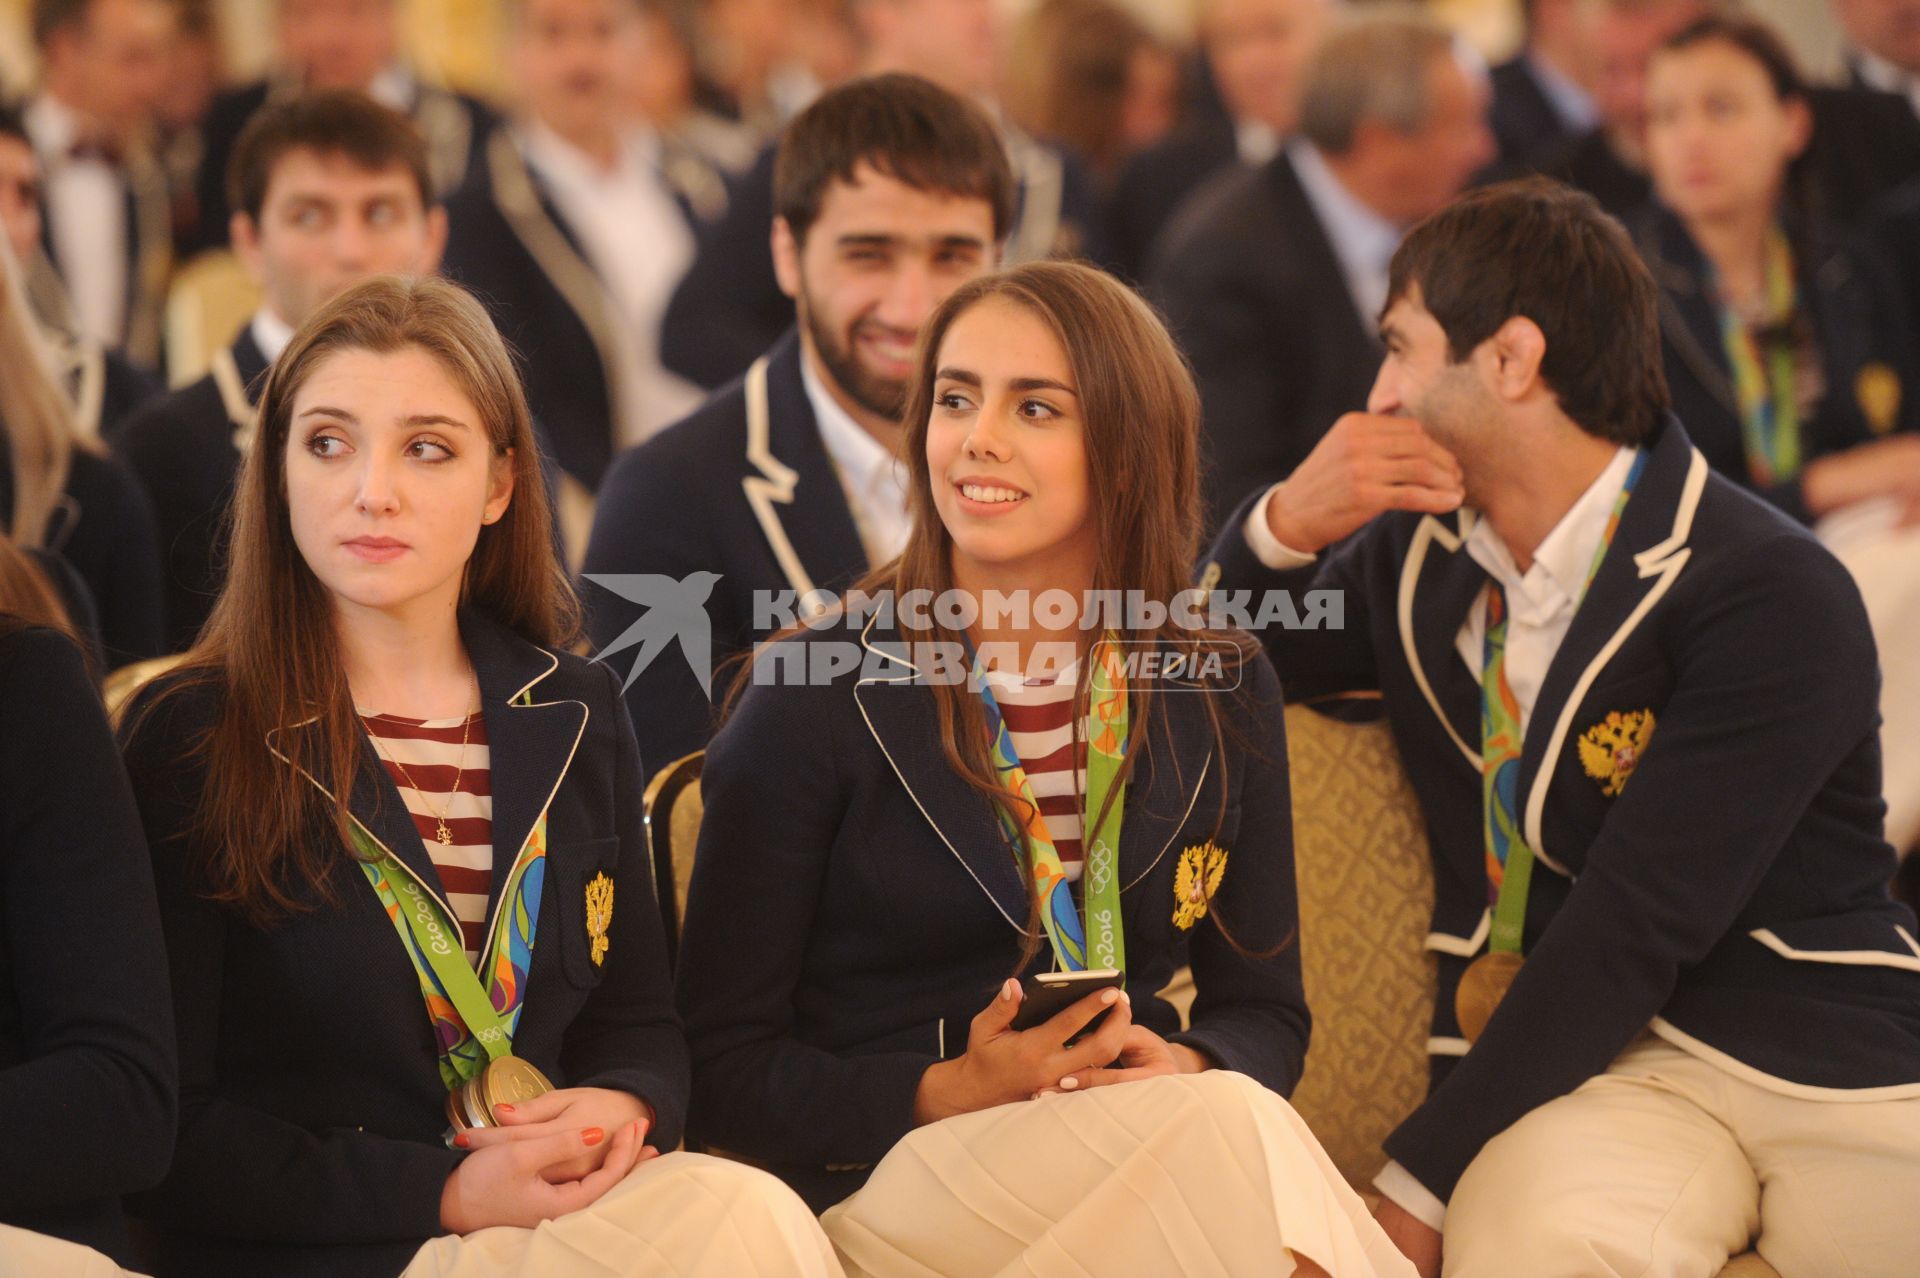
<point>397,842</point>
<point>906,814</point>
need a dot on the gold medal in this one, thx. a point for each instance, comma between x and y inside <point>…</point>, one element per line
<point>506,1080</point>
<point>1482,986</point>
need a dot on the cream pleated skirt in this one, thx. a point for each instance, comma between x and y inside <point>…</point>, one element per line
<point>25,1253</point>
<point>1187,1176</point>
<point>675,1216</point>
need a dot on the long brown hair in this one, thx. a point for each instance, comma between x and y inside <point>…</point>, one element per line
<point>1141,415</point>
<point>27,597</point>
<point>270,644</point>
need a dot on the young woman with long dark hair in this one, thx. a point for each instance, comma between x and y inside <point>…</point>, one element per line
<point>419,975</point>
<point>907,814</point>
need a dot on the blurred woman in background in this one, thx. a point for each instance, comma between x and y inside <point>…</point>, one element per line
<point>62,493</point>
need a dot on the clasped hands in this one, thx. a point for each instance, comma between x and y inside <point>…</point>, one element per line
<point>551,1155</point>
<point>1002,1064</point>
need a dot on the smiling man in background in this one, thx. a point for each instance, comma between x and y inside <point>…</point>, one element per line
<point>889,193</point>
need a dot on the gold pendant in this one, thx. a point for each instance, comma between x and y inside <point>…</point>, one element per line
<point>1482,986</point>
<point>443,834</point>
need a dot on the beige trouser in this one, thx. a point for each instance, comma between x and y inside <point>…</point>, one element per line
<point>1666,1165</point>
<point>676,1216</point>
<point>23,1253</point>
<point>1176,1177</point>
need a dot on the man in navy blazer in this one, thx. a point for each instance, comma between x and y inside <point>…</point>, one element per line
<point>1714,1030</point>
<point>890,193</point>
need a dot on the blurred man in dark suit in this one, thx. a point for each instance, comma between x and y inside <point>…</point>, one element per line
<point>1543,96</point>
<point>339,44</point>
<point>107,222</point>
<point>574,231</point>
<point>1273,278</point>
<point>102,384</point>
<point>1256,52</point>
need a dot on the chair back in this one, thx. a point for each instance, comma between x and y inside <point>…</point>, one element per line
<point>207,302</point>
<point>1366,901</point>
<point>671,810</point>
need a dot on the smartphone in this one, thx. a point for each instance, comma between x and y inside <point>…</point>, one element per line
<point>1052,992</point>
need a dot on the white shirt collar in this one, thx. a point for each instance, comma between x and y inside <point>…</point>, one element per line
<point>270,333</point>
<point>867,466</point>
<point>1362,239</point>
<point>1573,104</point>
<point>1885,76</point>
<point>53,125</point>
<point>560,160</point>
<point>1557,577</point>
<point>394,87</point>
<point>1256,142</point>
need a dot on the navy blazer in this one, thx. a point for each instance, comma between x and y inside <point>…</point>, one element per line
<point>1859,321</point>
<point>311,1099</point>
<point>1156,180</point>
<point>185,448</point>
<point>1523,117</point>
<point>1250,284</point>
<point>507,241</point>
<point>744,488</point>
<point>1733,895</point>
<point>87,1071</point>
<point>855,904</point>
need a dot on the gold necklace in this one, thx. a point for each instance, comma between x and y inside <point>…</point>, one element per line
<point>441,833</point>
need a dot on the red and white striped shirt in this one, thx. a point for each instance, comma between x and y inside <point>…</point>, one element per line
<point>1039,717</point>
<point>425,753</point>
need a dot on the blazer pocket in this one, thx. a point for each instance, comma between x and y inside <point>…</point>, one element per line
<point>590,898</point>
<point>1846,939</point>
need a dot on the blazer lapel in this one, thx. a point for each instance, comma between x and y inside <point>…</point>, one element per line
<point>898,711</point>
<point>530,746</point>
<point>1168,783</point>
<point>790,482</point>
<point>548,240</point>
<point>1649,549</point>
<point>375,803</point>
<point>1438,584</point>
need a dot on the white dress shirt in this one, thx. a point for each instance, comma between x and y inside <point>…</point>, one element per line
<point>1256,143</point>
<point>639,245</point>
<point>270,333</point>
<point>86,222</point>
<point>1885,76</point>
<point>1362,240</point>
<point>1540,605</point>
<point>874,479</point>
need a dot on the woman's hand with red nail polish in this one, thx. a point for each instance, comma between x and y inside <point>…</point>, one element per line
<point>515,1181</point>
<point>601,1109</point>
